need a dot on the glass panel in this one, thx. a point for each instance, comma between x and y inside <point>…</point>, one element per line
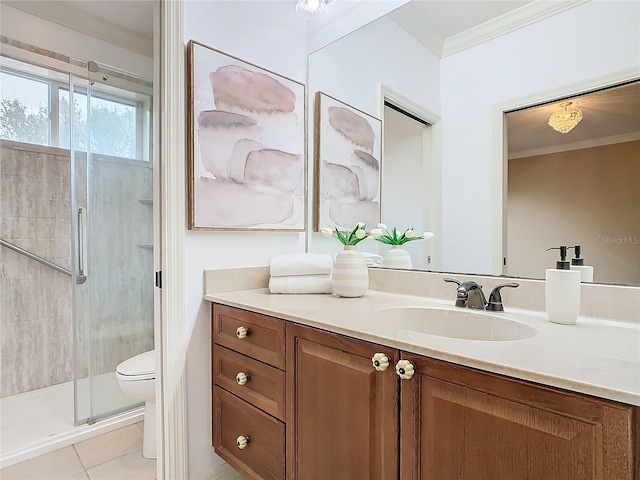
<point>79,117</point>
<point>36,342</point>
<point>24,109</point>
<point>119,245</point>
<point>81,300</point>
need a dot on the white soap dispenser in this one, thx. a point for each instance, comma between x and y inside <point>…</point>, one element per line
<point>562,291</point>
<point>577,263</point>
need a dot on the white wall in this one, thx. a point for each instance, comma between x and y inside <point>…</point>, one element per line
<point>271,35</point>
<point>588,41</point>
<point>345,16</point>
<point>351,70</point>
<point>37,31</point>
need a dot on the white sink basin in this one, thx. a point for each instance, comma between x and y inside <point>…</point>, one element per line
<point>466,324</point>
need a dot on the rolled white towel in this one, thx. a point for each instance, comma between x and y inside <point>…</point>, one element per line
<point>301,264</point>
<point>301,284</point>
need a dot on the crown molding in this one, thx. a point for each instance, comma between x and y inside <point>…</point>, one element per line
<point>85,23</point>
<point>521,17</point>
<point>591,143</point>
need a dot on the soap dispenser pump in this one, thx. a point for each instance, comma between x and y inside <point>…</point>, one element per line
<point>577,263</point>
<point>562,291</point>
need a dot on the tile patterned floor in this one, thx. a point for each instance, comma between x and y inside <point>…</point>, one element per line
<point>115,455</point>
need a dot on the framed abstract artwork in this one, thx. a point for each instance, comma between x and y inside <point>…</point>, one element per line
<point>348,165</point>
<point>246,152</point>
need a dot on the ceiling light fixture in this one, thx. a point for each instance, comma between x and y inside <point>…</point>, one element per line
<point>311,9</point>
<point>564,120</point>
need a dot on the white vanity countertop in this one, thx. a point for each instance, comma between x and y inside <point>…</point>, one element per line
<point>595,357</point>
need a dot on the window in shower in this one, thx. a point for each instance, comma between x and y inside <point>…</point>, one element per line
<point>35,109</point>
<point>24,109</point>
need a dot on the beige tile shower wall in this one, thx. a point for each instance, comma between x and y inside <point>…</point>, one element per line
<point>35,302</point>
<point>121,261</point>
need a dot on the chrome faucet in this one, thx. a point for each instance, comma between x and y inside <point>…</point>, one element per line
<point>470,295</point>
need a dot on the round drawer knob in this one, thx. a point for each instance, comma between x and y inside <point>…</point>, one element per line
<point>380,362</point>
<point>242,441</point>
<point>242,332</point>
<point>405,369</point>
<point>242,378</point>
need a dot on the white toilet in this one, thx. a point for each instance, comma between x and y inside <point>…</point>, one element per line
<point>137,379</point>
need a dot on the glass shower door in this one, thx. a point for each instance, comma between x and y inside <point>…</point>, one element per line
<point>114,232</point>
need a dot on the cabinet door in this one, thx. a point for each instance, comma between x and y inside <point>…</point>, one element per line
<point>342,414</point>
<point>459,423</point>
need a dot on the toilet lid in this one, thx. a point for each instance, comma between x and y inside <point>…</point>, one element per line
<point>143,364</point>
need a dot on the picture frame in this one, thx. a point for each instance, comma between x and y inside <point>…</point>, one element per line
<point>246,145</point>
<point>348,165</point>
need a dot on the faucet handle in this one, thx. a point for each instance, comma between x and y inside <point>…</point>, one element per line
<point>495,299</point>
<point>461,300</point>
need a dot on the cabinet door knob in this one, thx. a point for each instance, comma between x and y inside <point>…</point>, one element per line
<point>380,361</point>
<point>242,441</point>
<point>242,378</point>
<point>405,369</point>
<point>242,332</point>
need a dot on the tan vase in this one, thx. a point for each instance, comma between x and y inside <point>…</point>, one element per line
<point>350,277</point>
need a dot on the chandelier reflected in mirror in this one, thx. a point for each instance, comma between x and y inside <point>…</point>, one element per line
<point>566,119</point>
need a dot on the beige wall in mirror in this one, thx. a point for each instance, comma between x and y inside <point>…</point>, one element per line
<point>583,184</point>
<point>465,189</point>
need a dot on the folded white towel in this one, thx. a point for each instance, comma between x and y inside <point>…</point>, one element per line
<point>300,284</point>
<point>301,264</point>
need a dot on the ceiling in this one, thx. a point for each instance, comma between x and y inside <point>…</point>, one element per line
<point>443,26</point>
<point>438,23</point>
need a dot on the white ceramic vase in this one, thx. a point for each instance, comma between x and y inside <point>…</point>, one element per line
<point>350,277</point>
<point>397,257</point>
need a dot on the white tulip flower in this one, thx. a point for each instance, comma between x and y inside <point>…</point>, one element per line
<point>376,232</point>
<point>360,225</point>
<point>382,227</point>
<point>326,231</point>
<point>409,234</point>
<point>428,235</point>
<point>360,233</point>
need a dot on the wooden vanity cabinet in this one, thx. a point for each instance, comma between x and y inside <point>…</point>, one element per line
<point>342,414</point>
<point>337,418</point>
<point>248,391</point>
<point>460,423</point>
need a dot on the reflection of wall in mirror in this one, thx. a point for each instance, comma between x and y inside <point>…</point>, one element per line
<point>528,61</point>
<point>404,182</point>
<point>588,197</point>
<point>348,156</point>
<point>352,68</point>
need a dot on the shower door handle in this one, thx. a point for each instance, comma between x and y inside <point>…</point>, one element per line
<point>82,246</point>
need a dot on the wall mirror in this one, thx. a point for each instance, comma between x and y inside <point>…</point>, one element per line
<point>548,175</point>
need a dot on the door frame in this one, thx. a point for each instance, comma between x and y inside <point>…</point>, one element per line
<point>432,162</point>
<point>170,331</point>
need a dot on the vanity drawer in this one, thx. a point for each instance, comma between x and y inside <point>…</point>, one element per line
<point>264,385</point>
<point>264,338</point>
<point>263,456</point>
